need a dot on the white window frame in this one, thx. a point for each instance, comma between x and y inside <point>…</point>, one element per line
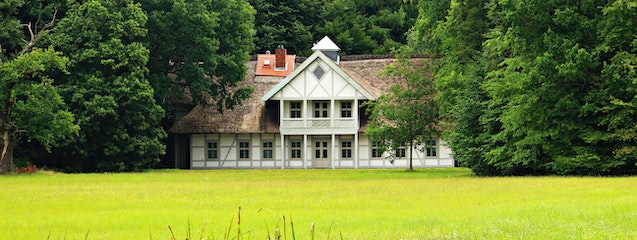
<point>268,147</point>
<point>296,109</point>
<point>346,111</point>
<point>296,151</point>
<point>212,146</point>
<point>243,150</point>
<point>431,148</point>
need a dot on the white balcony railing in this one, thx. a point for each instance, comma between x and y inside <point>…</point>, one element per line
<point>318,123</point>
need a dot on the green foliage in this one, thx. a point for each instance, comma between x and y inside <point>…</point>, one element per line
<point>357,27</point>
<point>191,42</point>
<point>536,87</point>
<point>108,91</point>
<point>408,113</point>
<point>29,97</point>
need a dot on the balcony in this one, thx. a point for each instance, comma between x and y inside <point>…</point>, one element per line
<point>319,125</point>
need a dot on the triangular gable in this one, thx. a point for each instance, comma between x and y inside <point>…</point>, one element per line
<point>304,66</point>
<point>326,44</point>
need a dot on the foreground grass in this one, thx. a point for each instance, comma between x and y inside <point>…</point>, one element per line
<point>354,204</point>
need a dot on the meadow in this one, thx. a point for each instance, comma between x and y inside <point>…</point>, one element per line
<point>315,204</point>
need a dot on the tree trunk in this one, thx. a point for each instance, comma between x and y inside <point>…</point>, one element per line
<point>6,145</point>
<point>411,150</point>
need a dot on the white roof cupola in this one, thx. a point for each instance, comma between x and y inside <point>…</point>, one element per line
<point>329,48</point>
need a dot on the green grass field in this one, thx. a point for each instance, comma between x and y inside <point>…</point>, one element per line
<point>352,204</point>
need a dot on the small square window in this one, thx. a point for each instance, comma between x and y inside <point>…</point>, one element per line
<point>295,109</point>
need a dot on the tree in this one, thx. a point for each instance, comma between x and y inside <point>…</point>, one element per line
<point>198,50</point>
<point>26,87</point>
<point>408,113</point>
<point>108,91</point>
<point>536,87</point>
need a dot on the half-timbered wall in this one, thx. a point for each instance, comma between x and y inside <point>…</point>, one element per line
<point>225,151</point>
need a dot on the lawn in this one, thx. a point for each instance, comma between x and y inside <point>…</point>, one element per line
<point>348,204</point>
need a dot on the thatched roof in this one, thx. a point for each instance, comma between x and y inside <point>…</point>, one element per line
<point>256,116</point>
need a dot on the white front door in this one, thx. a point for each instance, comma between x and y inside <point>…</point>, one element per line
<point>321,153</point>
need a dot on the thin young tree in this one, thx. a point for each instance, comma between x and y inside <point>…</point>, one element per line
<point>408,113</point>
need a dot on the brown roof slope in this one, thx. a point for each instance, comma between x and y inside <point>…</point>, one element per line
<point>249,117</point>
<point>253,116</point>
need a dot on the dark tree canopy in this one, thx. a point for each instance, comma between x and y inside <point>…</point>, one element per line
<point>358,27</point>
<point>108,90</point>
<point>532,87</point>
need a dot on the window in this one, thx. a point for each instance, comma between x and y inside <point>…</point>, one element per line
<point>267,149</point>
<point>295,150</point>
<point>320,149</point>
<point>400,151</point>
<point>346,149</point>
<point>430,148</point>
<point>295,109</point>
<point>346,109</point>
<point>244,150</point>
<point>318,72</point>
<point>375,152</point>
<point>321,109</point>
<point>212,151</point>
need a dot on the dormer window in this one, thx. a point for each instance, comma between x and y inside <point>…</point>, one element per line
<point>266,63</point>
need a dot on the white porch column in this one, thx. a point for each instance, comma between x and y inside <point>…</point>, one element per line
<point>333,148</point>
<point>283,151</point>
<point>332,116</point>
<point>355,114</point>
<point>356,150</point>
<point>304,153</point>
<point>304,113</point>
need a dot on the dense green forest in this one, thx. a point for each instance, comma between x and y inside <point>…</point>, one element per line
<point>524,87</point>
<point>536,87</point>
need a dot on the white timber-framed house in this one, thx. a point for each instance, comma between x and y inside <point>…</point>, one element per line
<point>305,116</point>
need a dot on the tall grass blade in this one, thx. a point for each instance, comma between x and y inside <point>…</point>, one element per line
<point>227,234</point>
<point>292,229</point>
<point>239,224</point>
<point>285,234</point>
<point>203,229</point>
<point>312,231</point>
<point>86,236</point>
<point>188,230</point>
<point>172,233</point>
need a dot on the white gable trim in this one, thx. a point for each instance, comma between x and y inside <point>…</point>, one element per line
<point>326,44</point>
<point>316,55</point>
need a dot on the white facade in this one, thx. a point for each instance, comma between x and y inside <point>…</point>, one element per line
<point>304,151</point>
<point>319,127</point>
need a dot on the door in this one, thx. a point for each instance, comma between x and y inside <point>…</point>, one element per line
<point>321,153</point>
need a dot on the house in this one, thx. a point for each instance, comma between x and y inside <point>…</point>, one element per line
<point>305,116</point>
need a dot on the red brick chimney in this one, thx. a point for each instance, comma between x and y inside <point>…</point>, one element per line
<point>279,61</point>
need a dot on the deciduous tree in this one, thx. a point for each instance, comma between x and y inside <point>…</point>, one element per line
<point>108,90</point>
<point>407,114</point>
<point>30,105</point>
